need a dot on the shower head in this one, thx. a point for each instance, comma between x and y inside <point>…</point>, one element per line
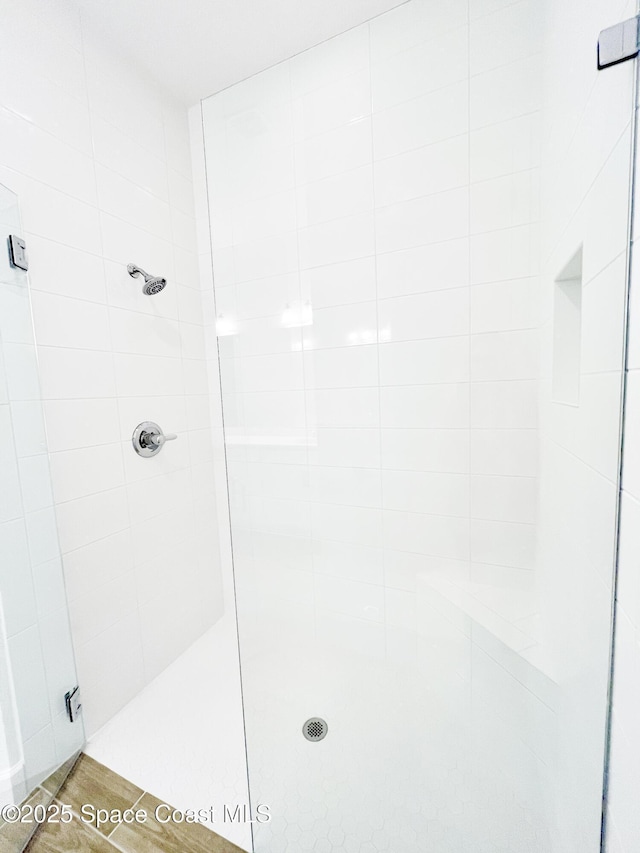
<point>152,284</point>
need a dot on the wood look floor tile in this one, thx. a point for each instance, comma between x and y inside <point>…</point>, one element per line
<point>13,836</point>
<point>152,837</point>
<point>54,782</point>
<point>72,837</point>
<point>93,783</point>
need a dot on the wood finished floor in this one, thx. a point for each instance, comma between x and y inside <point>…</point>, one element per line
<point>91,782</point>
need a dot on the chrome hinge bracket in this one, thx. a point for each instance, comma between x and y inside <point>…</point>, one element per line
<point>74,704</point>
<point>18,252</point>
<point>619,43</point>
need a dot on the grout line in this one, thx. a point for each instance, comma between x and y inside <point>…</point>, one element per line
<point>132,809</point>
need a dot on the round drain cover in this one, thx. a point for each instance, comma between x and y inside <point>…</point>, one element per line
<point>315,728</point>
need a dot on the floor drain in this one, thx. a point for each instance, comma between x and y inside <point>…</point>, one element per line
<point>315,729</point>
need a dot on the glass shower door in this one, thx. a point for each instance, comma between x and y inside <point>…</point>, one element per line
<point>37,669</point>
<point>420,236</point>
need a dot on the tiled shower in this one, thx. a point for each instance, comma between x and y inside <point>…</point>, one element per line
<point>397,349</point>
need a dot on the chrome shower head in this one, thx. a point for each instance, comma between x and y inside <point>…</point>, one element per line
<point>152,284</point>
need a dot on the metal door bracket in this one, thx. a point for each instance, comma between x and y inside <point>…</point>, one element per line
<point>74,704</point>
<point>17,252</point>
<point>619,43</point>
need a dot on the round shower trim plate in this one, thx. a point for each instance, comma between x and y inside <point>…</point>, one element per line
<point>315,729</point>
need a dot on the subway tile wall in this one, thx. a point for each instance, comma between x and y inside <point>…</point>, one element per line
<point>375,208</point>
<point>100,160</point>
<point>375,205</point>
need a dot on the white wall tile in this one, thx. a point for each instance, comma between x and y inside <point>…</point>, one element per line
<point>505,36</point>
<point>421,69</point>
<point>506,305</point>
<point>70,323</point>
<point>436,450</point>
<point>333,152</point>
<point>426,492</point>
<point>132,203</point>
<point>339,284</point>
<point>29,680</point>
<point>264,258</point>
<point>11,506</point>
<point>511,405</point>
<point>505,202</point>
<point>74,373</point>
<point>83,272</point>
<point>364,601</point>
<point>411,24</point>
<point>603,308</point>
<point>337,368</point>
<point>39,98</point>
<point>116,150</point>
<point>53,215</point>
<point>504,451</point>
<point>330,62</point>
<point>505,93</point>
<point>357,525</point>
<point>332,104</point>
<point>340,326</point>
<point>505,254</point>
<point>505,355</point>
<point>505,148</point>
<point>29,430</point>
<point>351,562</point>
<point>405,126</point>
<point>18,593</point>
<point>437,314</point>
<point>49,587</point>
<point>417,222</point>
<point>432,169</point>
<point>93,565</point>
<point>343,407</point>
<point>35,483</point>
<point>438,360</point>
<point>271,214</point>
<point>443,406</point>
<point>81,472</point>
<point>35,153</point>
<point>507,498</point>
<point>433,535</point>
<point>337,241</point>
<point>503,543</point>
<point>347,194</point>
<point>67,422</point>
<point>356,486</point>
<point>432,267</point>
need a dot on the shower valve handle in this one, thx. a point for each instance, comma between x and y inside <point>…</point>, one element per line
<point>159,438</point>
<point>148,438</point>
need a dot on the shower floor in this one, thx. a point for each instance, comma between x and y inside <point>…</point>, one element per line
<point>182,737</point>
<point>413,752</point>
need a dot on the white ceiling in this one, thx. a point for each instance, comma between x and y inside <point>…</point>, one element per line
<point>197,47</point>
